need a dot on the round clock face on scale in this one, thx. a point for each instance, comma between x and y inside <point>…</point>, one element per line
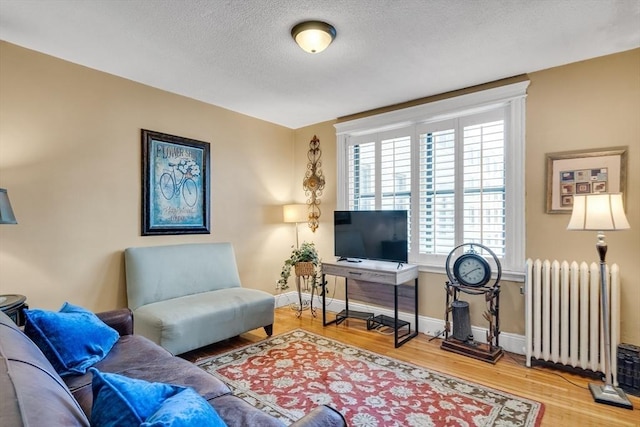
<point>472,270</point>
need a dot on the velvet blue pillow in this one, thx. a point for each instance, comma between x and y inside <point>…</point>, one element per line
<point>73,339</point>
<point>119,401</point>
<point>185,409</point>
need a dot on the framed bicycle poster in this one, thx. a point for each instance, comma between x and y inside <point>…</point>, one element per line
<point>175,185</point>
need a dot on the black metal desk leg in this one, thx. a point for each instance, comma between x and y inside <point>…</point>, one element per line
<point>415,330</point>
<point>395,315</point>
<point>416,304</point>
<point>324,303</point>
<point>346,295</point>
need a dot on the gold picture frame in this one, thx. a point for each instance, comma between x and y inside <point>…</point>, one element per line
<point>584,172</point>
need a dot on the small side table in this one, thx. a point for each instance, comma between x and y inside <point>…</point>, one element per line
<point>12,306</point>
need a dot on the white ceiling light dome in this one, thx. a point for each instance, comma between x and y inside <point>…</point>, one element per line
<point>313,36</point>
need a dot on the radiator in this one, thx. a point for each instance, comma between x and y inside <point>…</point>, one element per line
<point>562,320</point>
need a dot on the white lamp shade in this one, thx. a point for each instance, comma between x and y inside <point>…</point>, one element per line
<point>598,212</point>
<point>295,213</point>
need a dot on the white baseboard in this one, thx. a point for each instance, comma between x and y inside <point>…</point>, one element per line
<point>429,326</point>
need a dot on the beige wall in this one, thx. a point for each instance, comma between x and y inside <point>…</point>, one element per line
<point>70,157</point>
<point>590,104</point>
<point>587,105</point>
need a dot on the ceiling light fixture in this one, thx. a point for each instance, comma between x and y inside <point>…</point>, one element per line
<point>313,36</point>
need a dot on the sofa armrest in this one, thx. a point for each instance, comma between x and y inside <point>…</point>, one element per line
<point>121,320</point>
<point>322,416</point>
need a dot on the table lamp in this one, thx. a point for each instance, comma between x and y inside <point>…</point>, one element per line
<point>6,217</point>
<point>602,212</point>
<point>6,213</point>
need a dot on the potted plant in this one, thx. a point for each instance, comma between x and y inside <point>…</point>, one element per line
<point>305,261</point>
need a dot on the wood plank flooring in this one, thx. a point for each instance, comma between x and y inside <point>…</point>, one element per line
<point>566,396</point>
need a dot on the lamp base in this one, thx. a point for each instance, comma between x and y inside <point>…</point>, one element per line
<point>610,395</point>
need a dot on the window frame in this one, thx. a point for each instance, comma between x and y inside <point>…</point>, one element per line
<point>512,98</point>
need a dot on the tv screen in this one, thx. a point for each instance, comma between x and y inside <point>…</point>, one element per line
<point>376,235</point>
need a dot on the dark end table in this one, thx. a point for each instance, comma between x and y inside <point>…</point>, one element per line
<point>12,306</point>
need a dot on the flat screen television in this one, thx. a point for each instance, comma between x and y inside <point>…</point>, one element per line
<point>375,235</point>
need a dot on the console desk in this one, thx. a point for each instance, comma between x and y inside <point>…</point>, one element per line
<point>383,272</point>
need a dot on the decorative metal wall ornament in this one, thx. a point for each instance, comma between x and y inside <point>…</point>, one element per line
<point>313,183</point>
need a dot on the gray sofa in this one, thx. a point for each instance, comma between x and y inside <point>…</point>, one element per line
<point>33,394</point>
<point>187,296</point>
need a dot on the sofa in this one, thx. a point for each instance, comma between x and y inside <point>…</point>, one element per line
<point>33,394</point>
<point>178,293</point>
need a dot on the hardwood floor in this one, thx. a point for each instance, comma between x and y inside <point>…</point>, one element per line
<point>566,396</point>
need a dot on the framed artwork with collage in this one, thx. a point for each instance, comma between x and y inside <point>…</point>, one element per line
<point>573,173</point>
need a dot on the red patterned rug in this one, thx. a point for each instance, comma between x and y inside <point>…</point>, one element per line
<point>290,374</point>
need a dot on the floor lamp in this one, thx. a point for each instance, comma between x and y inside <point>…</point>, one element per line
<point>602,212</point>
<point>295,214</point>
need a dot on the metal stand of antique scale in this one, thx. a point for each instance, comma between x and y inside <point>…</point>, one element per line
<point>471,264</point>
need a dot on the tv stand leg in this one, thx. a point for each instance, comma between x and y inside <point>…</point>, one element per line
<point>324,306</point>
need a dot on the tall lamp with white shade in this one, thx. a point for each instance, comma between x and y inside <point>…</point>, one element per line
<point>298,213</point>
<point>602,212</point>
<point>295,214</point>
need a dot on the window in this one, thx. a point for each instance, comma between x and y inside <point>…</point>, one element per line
<point>456,166</point>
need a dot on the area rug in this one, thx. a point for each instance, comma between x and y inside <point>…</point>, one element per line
<point>290,374</point>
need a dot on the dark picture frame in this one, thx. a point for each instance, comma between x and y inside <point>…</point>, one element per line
<point>584,172</point>
<point>175,185</point>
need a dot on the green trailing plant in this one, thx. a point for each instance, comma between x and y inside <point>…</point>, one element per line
<point>307,252</point>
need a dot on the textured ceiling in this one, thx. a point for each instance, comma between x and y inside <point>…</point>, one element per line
<point>238,54</point>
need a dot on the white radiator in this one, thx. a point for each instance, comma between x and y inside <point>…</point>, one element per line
<point>562,323</point>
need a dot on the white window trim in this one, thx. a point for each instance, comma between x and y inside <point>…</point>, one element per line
<point>511,96</point>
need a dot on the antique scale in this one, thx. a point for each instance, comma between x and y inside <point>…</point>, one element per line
<point>470,273</point>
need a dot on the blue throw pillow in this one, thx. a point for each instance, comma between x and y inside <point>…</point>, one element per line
<point>119,401</point>
<point>73,339</point>
<point>185,409</point>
